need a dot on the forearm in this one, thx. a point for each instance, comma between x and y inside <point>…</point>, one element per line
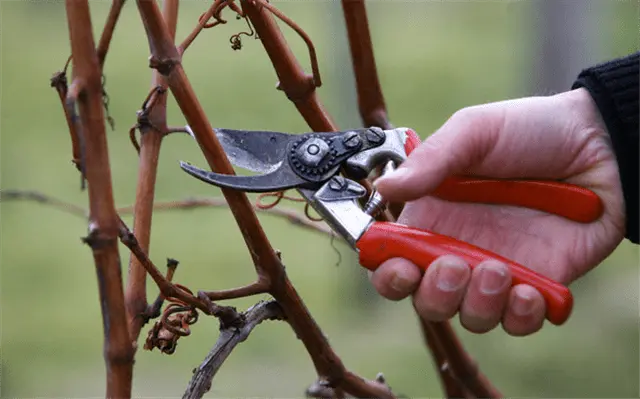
<point>614,88</point>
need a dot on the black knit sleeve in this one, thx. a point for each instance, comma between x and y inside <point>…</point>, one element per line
<point>614,88</point>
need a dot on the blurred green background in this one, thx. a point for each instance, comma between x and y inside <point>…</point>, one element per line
<point>433,58</point>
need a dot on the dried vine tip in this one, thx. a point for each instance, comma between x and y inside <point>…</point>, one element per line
<point>58,78</point>
<point>172,262</point>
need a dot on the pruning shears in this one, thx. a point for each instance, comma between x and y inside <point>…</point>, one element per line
<point>312,164</point>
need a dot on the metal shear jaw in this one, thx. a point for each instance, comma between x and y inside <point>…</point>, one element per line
<point>336,202</point>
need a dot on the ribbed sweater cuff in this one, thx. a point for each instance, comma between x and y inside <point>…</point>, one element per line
<point>614,88</point>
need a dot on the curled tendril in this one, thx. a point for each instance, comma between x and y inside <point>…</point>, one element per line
<point>183,317</point>
<point>174,323</point>
<point>235,41</point>
<point>279,196</point>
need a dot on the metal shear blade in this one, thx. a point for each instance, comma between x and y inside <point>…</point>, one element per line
<point>259,151</point>
<point>281,179</point>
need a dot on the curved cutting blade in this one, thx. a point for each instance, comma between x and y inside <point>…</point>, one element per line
<point>258,151</point>
<point>281,179</point>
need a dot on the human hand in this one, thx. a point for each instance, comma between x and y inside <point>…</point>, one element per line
<point>560,137</point>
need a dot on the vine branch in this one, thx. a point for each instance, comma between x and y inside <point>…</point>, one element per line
<point>152,122</point>
<point>104,222</point>
<point>107,32</point>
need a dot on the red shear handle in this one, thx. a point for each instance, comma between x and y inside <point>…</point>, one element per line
<point>384,240</point>
<point>567,200</point>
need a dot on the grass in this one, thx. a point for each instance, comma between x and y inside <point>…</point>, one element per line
<point>433,58</point>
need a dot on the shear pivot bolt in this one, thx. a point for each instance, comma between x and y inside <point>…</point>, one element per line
<point>312,152</point>
<point>352,140</point>
<point>375,135</point>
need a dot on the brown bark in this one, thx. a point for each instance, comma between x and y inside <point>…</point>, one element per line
<point>103,227</point>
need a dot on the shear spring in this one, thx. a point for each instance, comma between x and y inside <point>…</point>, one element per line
<point>376,204</point>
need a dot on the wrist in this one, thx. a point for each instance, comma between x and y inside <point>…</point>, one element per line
<point>585,110</point>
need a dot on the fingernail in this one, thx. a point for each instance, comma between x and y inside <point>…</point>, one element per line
<point>492,279</point>
<point>522,305</point>
<point>401,284</point>
<point>452,276</point>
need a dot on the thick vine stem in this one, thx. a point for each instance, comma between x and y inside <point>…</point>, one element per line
<point>104,222</point>
<point>152,132</point>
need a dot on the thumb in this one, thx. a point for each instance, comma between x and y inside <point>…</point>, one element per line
<point>463,141</point>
